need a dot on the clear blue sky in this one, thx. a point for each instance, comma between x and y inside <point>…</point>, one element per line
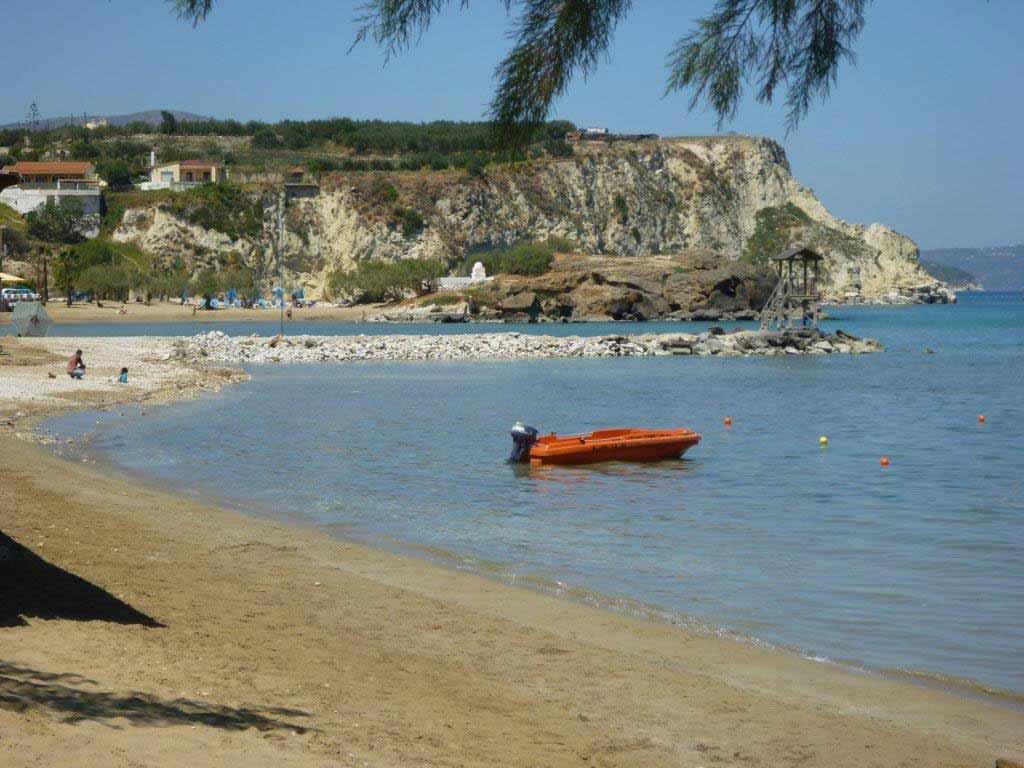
<point>924,134</point>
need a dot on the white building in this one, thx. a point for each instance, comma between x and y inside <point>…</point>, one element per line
<point>183,175</point>
<point>478,275</point>
<point>27,196</point>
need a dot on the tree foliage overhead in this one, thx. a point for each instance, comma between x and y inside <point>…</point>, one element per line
<point>764,45</point>
<point>768,44</point>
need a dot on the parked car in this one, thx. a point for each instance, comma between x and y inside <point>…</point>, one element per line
<point>14,295</point>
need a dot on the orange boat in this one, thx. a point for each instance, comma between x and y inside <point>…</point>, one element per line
<point>603,445</point>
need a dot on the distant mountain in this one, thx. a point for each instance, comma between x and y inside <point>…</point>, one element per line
<point>1000,268</point>
<point>151,116</point>
<point>956,277</point>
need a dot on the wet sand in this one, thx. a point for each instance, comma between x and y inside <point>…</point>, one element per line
<point>143,628</point>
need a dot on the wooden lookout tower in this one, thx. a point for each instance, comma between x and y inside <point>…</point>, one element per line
<point>795,300</point>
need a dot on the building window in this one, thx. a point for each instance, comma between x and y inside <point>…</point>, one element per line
<point>167,176</point>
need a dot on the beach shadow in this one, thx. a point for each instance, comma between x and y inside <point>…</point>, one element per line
<point>25,690</point>
<point>30,587</point>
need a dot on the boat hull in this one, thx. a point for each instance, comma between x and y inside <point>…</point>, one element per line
<point>613,445</point>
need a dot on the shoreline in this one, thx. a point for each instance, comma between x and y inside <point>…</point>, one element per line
<point>498,572</point>
<point>160,313</point>
<point>661,695</point>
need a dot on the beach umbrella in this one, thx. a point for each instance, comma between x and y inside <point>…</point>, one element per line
<point>31,319</point>
<point>6,278</point>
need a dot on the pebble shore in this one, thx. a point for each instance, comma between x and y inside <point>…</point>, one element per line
<point>218,347</point>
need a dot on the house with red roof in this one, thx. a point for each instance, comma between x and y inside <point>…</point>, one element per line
<point>51,172</point>
<point>38,183</point>
<point>186,172</point>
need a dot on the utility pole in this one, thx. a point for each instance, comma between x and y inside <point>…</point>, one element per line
<point>45,293</point>
<point>282,200</point>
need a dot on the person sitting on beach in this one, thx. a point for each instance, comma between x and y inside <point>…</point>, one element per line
<point>122,378</point>
<point>76,365</point>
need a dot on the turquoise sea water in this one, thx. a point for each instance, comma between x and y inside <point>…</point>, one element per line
<point>759,532</point>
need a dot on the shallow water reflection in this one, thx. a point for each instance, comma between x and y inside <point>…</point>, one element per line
<point>759,529</point>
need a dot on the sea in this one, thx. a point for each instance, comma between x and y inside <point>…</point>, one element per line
<point>760,533</point>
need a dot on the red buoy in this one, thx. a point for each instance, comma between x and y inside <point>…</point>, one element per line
<point>884,461</point>
<point>981,418</point>
<point>727,421</point>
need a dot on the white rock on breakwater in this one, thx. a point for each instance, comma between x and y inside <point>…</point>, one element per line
<point>216,346</point>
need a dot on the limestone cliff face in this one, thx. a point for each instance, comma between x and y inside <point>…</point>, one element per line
<point>732,195</point>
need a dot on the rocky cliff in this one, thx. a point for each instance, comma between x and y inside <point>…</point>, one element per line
<point>732,196</point>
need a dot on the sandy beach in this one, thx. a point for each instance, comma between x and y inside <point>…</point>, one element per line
<point>171,312</point>
<point>139,627</point>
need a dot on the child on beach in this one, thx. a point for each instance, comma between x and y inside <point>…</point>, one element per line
<point>122,378</point>
<point>76,365</point>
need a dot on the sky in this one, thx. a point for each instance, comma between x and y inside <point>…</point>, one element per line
<point>923,134</point>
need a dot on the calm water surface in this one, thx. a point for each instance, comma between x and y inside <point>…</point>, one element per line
<point>759,532</point>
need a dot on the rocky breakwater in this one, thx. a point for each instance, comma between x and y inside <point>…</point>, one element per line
<point>215,346</point>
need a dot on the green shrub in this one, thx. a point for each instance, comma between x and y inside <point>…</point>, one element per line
<point>265,139</point>
<point>11,219</point>
<point>775,229</point>
<point>104,268</point>
<point>83,150</point>
<point>116,173</point>
<point>442,300</point>
<point>382,192</point>
<point>621,209</point>
<point>561,244</point>
<point>59,222</point>
<point>411,221</point>
<point>476,167</point>
<point>105,282</point>
<point>318,165</point>
<point>526,258</point>
<point>375,281</point>
<point>224,207</point>
<point>558,148</point>
<point>117,202</point>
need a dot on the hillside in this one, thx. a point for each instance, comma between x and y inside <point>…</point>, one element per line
<point>956,277</point>
<point>998,268</point>
<point>150,117</point>
<point>732,196</point>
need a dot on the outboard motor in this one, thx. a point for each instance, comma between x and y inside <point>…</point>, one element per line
<point>522,438</point>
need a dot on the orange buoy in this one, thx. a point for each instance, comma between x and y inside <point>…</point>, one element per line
<point>884,461</point>
<point>981,418</point>
<point>727,421</point>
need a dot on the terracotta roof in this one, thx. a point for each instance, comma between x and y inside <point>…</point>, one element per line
<point>54,167</point>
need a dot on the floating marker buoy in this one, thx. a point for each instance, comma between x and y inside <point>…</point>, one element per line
<point>884,461</point>
<point>727,421</point>
<point>823,440</point>
<point>981,418</point>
